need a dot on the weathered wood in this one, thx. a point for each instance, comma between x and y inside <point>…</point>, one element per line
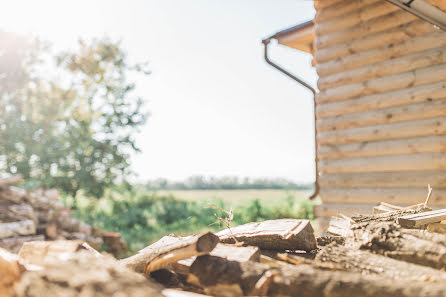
<point>366,263</point>
<point>283,234</point>
<point>301,280</point>
<point>378,39</point>
<point>421,219</point>
<point>416,128</point>
<point>437,227</point>
<point>412,95</point>
<point>396,114</point>
<point>9,272</point>
<point>423,161</point>
<point>11,212</point>
<point>355,17</point>
<point>424,144</point>
<point>389,51</point>
<point>27,227</point>
<point>384,207</point>
<point>393,241</point>
<point>10,180</point>
<point>339,226</point>
<point>385,68</point>
<point>416,77</point>
<point>14,194</point>
<point>341,8</point>
<point>169,250</point>
<point>376,195</point>
<point>389,216</point>
<point>378,24</point>
<point>45,252</point>
<point>86,275</point>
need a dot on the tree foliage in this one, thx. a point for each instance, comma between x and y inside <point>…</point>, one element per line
<point>73,130</point>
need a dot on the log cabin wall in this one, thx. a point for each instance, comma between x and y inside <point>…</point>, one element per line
<point>381,106</point>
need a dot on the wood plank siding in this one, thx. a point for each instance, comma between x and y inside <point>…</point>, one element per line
<point>381,105</point>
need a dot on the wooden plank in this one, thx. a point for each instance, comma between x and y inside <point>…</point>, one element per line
<point>385,68</point>
<point>378,24</point>
<point>412,95</point>
<point>283,234</point>
<point>408,79</point>
<point>421,219</point>
<point>378,39</point>
<point>417,128</point>
<point>341,8</point>
<point>422,161</point>
<point>355,17</point>
<point>390,115</point>
<point>169,250</point>
<point>26,227</point>
<point>424,144</point>
<point>400,196</point>
<point>400,179</point>
<point>389,51</point>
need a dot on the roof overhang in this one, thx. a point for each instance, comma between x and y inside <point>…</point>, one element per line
<point>299,37</point>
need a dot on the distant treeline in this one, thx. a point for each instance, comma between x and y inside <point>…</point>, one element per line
<point>225,183</point>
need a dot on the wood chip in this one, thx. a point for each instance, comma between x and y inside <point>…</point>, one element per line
<point>421,219</point>
<point>283,234</point>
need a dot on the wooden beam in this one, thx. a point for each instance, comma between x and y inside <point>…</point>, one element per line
<point>400,179</point>
<point>375,40</point>
<point>420,219</point>
<point>389,51</point>
<point>400,196</point>
<point>420,76</point>
<point>411,95</point>
<point>385,68</point>
<point>378,24</point>
<point>435,126</point>
<point>390,115</point>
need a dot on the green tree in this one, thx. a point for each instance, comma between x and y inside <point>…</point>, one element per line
<point>71,132</point>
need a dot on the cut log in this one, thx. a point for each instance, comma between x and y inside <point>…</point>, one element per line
<point>391,240</point>
<point>45,252</point>
<point>420,219</point>
<point>86,275</point>
<point>366,263</point>
<point>428,127</point>
<point>301,280</point>
<point>10,181</point>
<point>283,234</point>
<point>14,244</point>
<point>437,227</point>
<point>169,250</point>
<point>390,115</point>
<point>9,272</point>
<point>21,228</point>
<point>14,194</point>
<point>11,212</point>
<point>116,245</point>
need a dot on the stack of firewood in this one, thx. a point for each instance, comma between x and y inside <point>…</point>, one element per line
<point>40,215</point>
<point>388,253</point>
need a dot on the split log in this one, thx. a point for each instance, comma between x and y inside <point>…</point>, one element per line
<point>21,228</point>
<point>423,161</point>
<point>378,24</point>
<point>416,77</point>
<point>10,181</point>
<point>428,127</point>
<point>366,263</point>
<point>340,226</point>
<point>420,219</point>
<point>45,252</point>
<point>390,115</point>
<point>283,234</point>
<point>169,250</point>
<point>424,144</point>
<point>411,95</point>
<point>391,240</point>
<point>9,272</point>
<point>398,33</point>
<point>217,274</point>
<point>86,275</point>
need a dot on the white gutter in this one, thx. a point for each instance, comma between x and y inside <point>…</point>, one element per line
<point>423,10</point>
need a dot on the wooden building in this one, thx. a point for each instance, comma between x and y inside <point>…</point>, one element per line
<point>380,104</point>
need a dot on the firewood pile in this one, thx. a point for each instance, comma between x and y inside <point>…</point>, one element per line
<point>394,251</point>
<point>40,215</point>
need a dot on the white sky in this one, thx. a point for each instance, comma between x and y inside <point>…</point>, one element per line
<point>216,107</point>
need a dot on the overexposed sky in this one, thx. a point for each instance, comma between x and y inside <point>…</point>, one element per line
<point>216,107</point>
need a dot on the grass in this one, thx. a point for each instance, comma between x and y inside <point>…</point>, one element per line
<point>143,217</point>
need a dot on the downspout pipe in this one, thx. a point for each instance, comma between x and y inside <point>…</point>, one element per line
<point>266,43</point>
